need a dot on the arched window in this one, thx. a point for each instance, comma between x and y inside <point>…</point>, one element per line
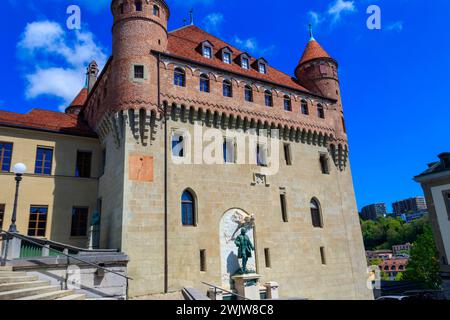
<point>268,98</point>
<point>386,268</point>
<point>320,111</point>
<point>305,110</point>
<point>316,215</point>
<point>204,83</point>
<point>248,94</point>
<point>156,10</point>
<point>179,78</point>
<point>188,209</point>
<point>401,267</point>
<point>287,103</point>
<point>393,268</point>
<point>138,5</point>
<point>227,89</point>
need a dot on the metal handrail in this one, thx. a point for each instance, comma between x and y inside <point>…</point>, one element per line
<point>233,293</point>
<point>64,254</point>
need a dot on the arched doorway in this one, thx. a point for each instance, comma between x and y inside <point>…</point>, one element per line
<point>230,224</point>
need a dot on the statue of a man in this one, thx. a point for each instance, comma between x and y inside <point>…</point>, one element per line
<point>245,247</point>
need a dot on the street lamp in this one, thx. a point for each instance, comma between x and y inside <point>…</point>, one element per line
<point>19,169</point>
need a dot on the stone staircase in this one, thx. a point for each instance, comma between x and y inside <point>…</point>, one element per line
<point>21,286</point>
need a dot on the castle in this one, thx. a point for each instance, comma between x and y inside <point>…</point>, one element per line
<point>111,158</point>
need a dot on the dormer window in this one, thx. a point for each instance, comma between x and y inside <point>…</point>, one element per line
<point>207,50</point>
<point>245,63</point>
<point>262,65</point>
<point>227,55</point>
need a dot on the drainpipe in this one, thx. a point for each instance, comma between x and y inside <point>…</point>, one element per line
<point>166,254</point>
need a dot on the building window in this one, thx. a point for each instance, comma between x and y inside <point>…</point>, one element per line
<point>203,260</point>
<point>320,111</point>
<point>262,68</point>
<point>207,52</point>
<point>267,258</point>
<point>138,5</point>
<point>178,145</point>
<point>245,63</point>
<point>79,222</point>
<point>204,83</point>
<point>44,158</point>
<point>156,11</point>
<point>284,212</point>
<point>121,8</point>
<point>103,161</point>
<point>179,78</point>
<point>316,215</point>
<point>83,166</point>
<point>227,57</point>
<point>447,202</point>
<point>305,110</point>
<point>227,89</point>
<point>261,155</point>
<point>38,221</point>
<point>2,215</point>
<point>139,72</point>
<point>324,164</point>
<point>229,148</point>
<point>287,154</point>
<point>248,94</point>
<point>343,125</point>
<point>268,98</point>
<point>188,209</point>
<point>287,103</point>
<point>323,256</point>
<point>5,156</point>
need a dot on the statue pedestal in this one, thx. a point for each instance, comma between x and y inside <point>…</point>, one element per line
<point>247,285</point>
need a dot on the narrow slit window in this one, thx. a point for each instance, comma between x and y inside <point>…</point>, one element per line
<point>287,154</point>
<point>323,256</point>
<point>324,164</point>
<point>267,258</point>
<point>2,215</point>
<point>203,260</point>
<point>284,212</point>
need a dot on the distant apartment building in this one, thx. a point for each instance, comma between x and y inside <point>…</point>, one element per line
<point>435,183</point>
<point>373,211</point>
<point>411,205</point>
<point>393,266</point>
<point>379,254</point>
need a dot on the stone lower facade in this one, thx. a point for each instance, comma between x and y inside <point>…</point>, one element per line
<point>294,246</point>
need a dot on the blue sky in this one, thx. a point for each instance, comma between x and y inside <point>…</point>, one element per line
<point>394,80</point>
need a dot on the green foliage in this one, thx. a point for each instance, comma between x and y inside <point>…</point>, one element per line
<point>387,232</point>
<point>399,276</point>
<point>424,262</point>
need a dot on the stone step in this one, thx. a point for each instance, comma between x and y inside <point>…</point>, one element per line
<point>14,279</point>
<point>22,285</point>
<point>16,294</point>
<point>53,295</point>
<point>12,273</point>
<point>73,297</point>
<point>6,268</point>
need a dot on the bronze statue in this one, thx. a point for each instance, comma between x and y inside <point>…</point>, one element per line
<point>245,247</point>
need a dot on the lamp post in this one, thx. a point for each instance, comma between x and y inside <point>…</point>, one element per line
<point>19,169</point>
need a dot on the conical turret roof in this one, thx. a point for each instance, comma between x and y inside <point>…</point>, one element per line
<point>313,51</point>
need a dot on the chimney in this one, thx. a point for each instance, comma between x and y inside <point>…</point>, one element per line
<point>92,74</point>
<point>445,159</point>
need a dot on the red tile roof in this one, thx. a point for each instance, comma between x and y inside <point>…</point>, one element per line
<point>313,51</point>
<point>47,120</point>
<point>80,99</point>
<point>185,42</point>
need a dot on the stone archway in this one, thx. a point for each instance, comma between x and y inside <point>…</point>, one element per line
<point>230,224</point>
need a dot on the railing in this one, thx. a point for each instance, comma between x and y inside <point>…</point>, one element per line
<point>224,290</point>
<point>49,246</point>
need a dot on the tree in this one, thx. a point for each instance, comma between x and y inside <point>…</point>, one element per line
<point>423,265</point>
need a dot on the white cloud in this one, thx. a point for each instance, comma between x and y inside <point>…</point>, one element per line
<point>396,26</point>
<point>315,17</point>
<point>55,61</point>
<point>340,7</point>
<point>252,46</point>
<point>213,21</point>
